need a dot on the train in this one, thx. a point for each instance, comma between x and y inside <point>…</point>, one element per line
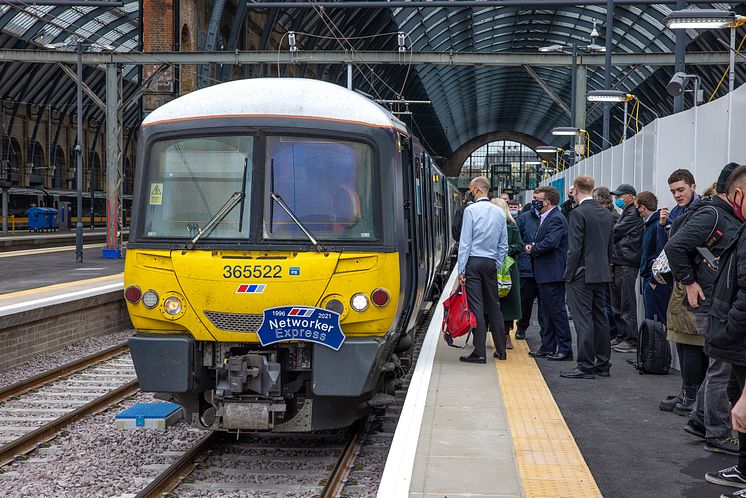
<point>286,234</point>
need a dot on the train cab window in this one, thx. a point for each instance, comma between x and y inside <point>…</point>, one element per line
<point>327,184</point>
<point>190,179</point>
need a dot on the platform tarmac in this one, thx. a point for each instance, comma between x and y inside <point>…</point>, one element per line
<point>31,269</point>
<point>632,448</point>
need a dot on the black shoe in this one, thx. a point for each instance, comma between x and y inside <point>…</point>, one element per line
<point>727,477</point>
<point>616,341</point>
<point>560,357</point>
<point>539,354</point>
<point>668,404</point>
<point>727,445</point>
<point>577,373</point>
<point>602,372</point>
<point>741,493</point>
<point>520,334</point>
<point>472,358</point>
<point>500,356</point>
<point>695,429</point>
<point>684,407</point>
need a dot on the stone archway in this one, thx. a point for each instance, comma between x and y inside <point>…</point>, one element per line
<point>453,164</point>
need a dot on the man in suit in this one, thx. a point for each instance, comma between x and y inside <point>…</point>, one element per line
<point>549,253</point>
<point>481,250</point>
<point>588,272</point>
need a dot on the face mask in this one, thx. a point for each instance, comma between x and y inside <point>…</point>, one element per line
<point>513,213</point>
<point>571,198</point>
<point>619,203</point>
<point>737,207</point>
<point>469,196</point>
<point>537,205</point>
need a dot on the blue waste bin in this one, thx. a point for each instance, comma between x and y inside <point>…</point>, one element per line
<point>41,218</point>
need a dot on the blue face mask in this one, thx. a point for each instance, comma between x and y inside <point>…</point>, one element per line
<point>537,205</point>
<point>513,213</point>
<point>619,203</point>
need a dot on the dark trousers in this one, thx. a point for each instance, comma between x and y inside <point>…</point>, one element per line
<point>693,363</point>
<point>656,300</point>
<point>624,302</point>
<point>739,373</point>
<point>586,303</point>
<point>529,292</point>
<point>481,290</point>
<point>609,312</point>
<point>556,338</point>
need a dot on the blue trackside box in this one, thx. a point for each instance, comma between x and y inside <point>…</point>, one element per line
<point>148,416</point>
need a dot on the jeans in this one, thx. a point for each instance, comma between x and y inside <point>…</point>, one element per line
<point>740,375</point>
<point>624,302</point>
<point>712,408</point>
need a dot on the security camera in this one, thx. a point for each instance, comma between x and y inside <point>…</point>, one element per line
<point>677,84</point>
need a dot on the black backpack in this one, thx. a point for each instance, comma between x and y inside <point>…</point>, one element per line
<point>653,350</point>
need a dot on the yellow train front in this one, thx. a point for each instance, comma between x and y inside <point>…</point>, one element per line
<point>284,237</point>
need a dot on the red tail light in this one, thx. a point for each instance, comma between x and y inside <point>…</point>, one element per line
<point>132,294</point>
<point>380,297</point>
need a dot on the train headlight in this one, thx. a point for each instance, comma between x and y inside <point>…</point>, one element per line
<point>359,302</point>
<point>380,297</point>
<point>336,306</point>
<point>172,305</point>
<point>150,299</point>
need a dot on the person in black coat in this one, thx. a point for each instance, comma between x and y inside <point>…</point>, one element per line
<point>549,254</point>
<point>528,224</point>
<point>726,333</point>
<point>655,295</point>
<point>458,216</point>
<point>588,272</point>
<point>626,260</point>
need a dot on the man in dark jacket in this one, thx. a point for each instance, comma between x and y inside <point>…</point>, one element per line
<point>682,186</point>
<point>458,217</point>
<point>655,295</point>
<point>603,197</point>
<point>708,225</point>
<point>726,333</point>
<point>528,224</point>
<point>626,260</point>
<point>588,272</point>
<point>549,254</point>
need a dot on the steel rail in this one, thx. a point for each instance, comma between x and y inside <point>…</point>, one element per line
<point>61,371</point>
<point>185,465</point>
<point>29,441</point>
<point>336,481</point>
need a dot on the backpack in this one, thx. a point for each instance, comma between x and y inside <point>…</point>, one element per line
<point>458,319</point>
<point>653,350</point>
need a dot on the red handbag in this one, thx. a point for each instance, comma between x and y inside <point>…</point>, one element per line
<point>458,319</point>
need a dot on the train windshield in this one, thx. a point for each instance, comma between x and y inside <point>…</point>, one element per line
<point>327,184</point>
<point>190,179</point>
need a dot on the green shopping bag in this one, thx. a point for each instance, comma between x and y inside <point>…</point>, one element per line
<point>504,282</point>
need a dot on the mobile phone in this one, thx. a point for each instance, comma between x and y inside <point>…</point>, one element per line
<point>712,261</point>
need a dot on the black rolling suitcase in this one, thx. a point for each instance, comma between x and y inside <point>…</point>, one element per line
<point>653,350</point>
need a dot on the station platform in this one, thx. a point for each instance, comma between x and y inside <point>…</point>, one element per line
<point>24,239</point>
<point>516,428</point>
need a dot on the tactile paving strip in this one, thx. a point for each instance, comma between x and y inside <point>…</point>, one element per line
<point>549,462</point>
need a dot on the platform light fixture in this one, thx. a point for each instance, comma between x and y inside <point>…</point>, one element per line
<point>546,149</point>
<point>566,131</point>
<point>533,163</point>
<point>608,96</point>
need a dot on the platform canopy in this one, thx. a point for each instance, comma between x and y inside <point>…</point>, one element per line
<point>467,101</point>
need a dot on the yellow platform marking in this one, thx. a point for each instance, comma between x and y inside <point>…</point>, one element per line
<point>549,462</point>
<point>49,288</point>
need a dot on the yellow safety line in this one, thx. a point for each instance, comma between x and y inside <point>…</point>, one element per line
<point>549,461</point>
<point>62,286</point>
<point>29,252</point>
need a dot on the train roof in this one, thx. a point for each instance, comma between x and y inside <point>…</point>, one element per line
<point>291,97</point>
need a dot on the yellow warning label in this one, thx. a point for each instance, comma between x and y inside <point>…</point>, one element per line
<point>156,194</point>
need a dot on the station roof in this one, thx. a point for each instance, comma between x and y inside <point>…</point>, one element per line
<point>466,101</point>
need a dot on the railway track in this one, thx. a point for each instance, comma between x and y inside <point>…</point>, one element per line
<point>36,409</point>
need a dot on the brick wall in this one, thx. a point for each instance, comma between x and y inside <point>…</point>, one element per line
<point>158,36</point>
<point>55,327</point>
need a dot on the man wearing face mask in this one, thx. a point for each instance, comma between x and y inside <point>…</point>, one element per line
<point>626,265</point>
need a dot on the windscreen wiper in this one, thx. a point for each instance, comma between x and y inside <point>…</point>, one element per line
<point>215,220</point>
<point>276,197</point>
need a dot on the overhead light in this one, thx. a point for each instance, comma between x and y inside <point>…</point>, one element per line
<point>547,148</point>
<point>566,131</point>
<point>551,48</point>
<point>703,19</point>
<point>595,47</point>
<point>608,96</point>
<point>533,163</point>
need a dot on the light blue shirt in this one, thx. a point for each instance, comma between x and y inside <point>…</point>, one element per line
<point>484,234</point>
<point>543,216</point>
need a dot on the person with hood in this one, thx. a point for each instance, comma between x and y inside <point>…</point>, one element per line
<point>726,331</point>
<point>707,228</point>
<point>626,265</point>
<point>654,294</point>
